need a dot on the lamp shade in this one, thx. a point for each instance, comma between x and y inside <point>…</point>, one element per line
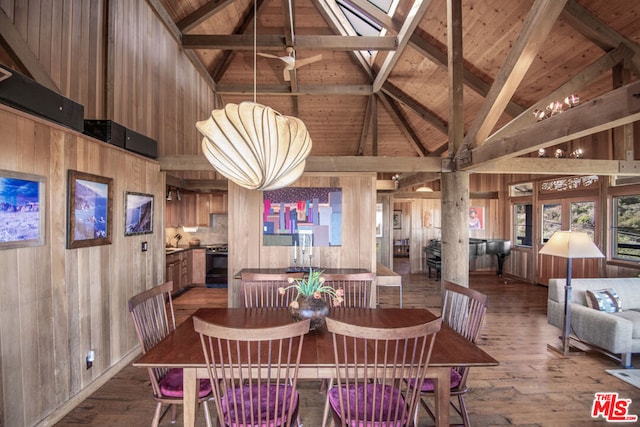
<point>571,244</point>
<point>255,146</point>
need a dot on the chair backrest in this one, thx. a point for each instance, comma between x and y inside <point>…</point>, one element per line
<point>153,318</point>
<point>357,288</point>
<point>253,371</point>
<point>379,372</point>
<point>261,289</point>
<point>463,310</point>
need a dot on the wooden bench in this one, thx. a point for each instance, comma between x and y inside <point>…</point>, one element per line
<point>387,277</point>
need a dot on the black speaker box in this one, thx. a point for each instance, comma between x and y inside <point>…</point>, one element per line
<point>27,95</point>
<point>116,134</point>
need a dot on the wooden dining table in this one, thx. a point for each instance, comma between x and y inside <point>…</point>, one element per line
<point>182,348</point>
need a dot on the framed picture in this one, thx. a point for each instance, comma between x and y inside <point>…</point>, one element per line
<point>22,209</point>
<point>89,210</point>
<point>379,208</point>
<point>138,213</point>
<point>397,220</point>
<point>476,218</point>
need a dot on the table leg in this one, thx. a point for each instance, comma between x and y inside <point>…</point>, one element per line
<point>442,382</point>
<point>190,397</point>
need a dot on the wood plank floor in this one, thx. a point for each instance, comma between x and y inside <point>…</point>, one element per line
<point>531,387</point>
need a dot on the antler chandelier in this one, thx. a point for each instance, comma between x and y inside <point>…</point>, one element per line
<point>255,146</point>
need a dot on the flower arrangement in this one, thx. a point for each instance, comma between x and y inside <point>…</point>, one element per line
<point>313,286</point>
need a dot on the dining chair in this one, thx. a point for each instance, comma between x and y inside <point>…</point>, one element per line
<point>154,319</point>
<point>254,372</point>
<point>261,289</point>
<point>371,366</point>
<point>356,286</point>
<point>463,310</point>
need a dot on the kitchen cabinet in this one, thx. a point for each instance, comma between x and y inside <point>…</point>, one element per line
<point>198,266</point>
<point>174,271</point>
<point>186,267</point>
<point>189,209</point>
<point>173,213</point>
<point>194,209</point>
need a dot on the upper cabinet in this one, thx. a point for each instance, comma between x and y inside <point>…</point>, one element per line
<point>194,209</point>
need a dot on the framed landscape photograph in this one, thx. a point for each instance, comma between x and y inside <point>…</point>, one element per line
<point>22,209</point>
<point>397,220</point>
<point>138,213</point>
<point>89,210</point>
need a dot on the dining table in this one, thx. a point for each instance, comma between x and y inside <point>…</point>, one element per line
<point>182,348</point>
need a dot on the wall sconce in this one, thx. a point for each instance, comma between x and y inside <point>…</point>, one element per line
<point>169,194</point>
<point>396,179</point>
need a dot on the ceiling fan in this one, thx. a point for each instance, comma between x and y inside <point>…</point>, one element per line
<point>291,63</point>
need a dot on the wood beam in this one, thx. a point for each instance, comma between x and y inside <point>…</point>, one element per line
<point>321,164</point>
<point>436,195</point>
<point>418,178</point>
<point>412,20</point>
<point>454,66</point>
<point>534,32</point>
<point>276,89</point>
<point>201,14</point>
<point>548,166</point>
<point>598,31</point>
<point>278,42</point>
<point>616,108</point>
<point>366,124</point>
<point>577,82</point>
<point>22,54</point>
<point>428,116</point>
<point>404,125</point>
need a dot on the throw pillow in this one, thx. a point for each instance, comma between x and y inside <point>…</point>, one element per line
<point>606,300</point>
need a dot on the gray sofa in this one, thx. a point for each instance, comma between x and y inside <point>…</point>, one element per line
<point>616,333</point>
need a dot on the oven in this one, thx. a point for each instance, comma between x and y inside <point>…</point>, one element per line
<point>217,262</point>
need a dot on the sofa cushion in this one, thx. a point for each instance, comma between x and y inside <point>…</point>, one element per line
<point>634,317</point>
<point>606,300</point>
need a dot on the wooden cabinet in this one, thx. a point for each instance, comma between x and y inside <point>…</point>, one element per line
<point>186,267</point>
<point>194,209</point>
<point>173,213</point>
<point>174,271</point>
<point>198,266</point>
<point>189,209</point>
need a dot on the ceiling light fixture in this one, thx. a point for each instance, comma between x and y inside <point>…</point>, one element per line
<point>556,107</point>
<point>253,145</point>
<point>425,189</point>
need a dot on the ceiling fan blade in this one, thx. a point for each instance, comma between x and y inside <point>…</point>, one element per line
<point>268,55</point>
<point>306,61</point>
<point>286,74</point>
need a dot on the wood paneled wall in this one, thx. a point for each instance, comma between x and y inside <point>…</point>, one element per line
<point>118,60</point>
<point>56,303</point>
<point>358,229</point>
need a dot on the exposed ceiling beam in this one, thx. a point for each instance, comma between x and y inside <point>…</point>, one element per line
<point>428,116</point>
<point>278,42</point>
<point>598,31</point>
<point>201,14</point>
<point>272,90</point>
<point>321,164</point>
<point>366,124</point>
<point>542,166</point>
<point>418,178</point>
<point>534,32</point>
<point>573,86</point>
<point>615,108</point>
<point>404,125</point>
<point>412,20</point>
<point>22,54</point>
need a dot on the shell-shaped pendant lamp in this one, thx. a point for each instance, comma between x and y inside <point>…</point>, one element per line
<point>255,146</point>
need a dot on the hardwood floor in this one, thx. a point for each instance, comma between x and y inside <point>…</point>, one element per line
<point>531,387</point>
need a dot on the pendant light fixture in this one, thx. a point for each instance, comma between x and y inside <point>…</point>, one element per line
<point>253,145</point>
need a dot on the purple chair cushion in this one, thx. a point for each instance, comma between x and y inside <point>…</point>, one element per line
<point>427,385</point>
<point>267,395</point>
<point>389,395</point>
<point>171,384</point>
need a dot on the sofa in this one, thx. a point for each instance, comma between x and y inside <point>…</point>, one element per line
<point>608,321</point>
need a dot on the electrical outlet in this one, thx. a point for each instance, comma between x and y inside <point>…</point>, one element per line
<point>144,247</point>
<point>91,356</point>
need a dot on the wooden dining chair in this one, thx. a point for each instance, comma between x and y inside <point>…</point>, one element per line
<point>261,289</point>
<point>372,365</point>
<point>154,319</point>
<point>463,309</point>
<point>357,288</point>
<point>254,372</point>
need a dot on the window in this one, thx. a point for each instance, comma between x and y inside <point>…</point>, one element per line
<point>523,224</point>
<point>583,218</point>
<point>626,228</point>
<point>551,220</point>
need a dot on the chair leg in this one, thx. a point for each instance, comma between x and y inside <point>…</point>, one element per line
<point>463,411</point>
<point>206,413</point>
<point>173,414</point>
<point>325,415</point>
<point>156,415</point>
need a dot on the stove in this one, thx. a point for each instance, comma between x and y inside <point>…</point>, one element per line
<point>217,261</point>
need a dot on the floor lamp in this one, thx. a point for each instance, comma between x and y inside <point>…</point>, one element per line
<point>570,245</point>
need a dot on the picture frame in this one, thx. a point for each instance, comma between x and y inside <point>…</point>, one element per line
<point>397,220</point>
<point>379,212</point>
<point>138,213</point>
<point>22,209</point>
<point>476,218</point>
<point>89,210</point>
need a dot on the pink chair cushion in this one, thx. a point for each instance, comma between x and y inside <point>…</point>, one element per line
<point>427,385</point>
<point>171,384</point>
<point>267,395</point>
<point>356,395</point>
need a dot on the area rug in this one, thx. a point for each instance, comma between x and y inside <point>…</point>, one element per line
<point>631,376</point>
